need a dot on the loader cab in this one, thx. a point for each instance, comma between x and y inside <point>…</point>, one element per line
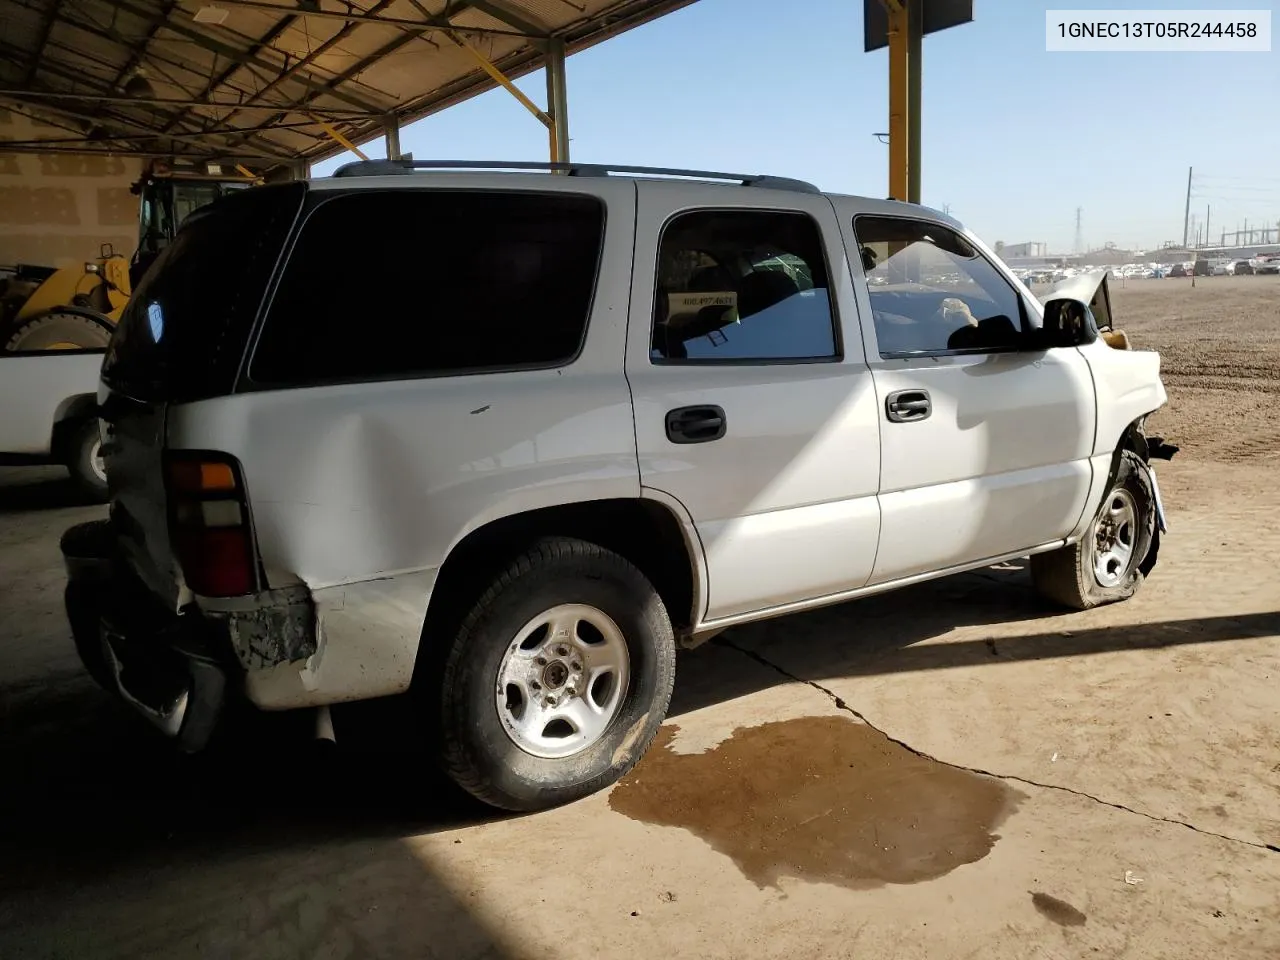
<point>167,197</point>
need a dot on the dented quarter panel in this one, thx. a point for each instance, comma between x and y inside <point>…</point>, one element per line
<point>367,644</point>
<point>277,626</point>
<point>359,491</point>
<point>347,491</point>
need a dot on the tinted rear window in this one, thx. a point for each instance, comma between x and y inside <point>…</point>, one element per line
<point>184,332</point>
<point>420,282</point>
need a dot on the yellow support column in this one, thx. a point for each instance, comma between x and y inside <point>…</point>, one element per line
<point>899,101</point>
<point>915,36</point>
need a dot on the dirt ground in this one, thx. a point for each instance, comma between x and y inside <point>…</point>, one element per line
<point>953,770</point>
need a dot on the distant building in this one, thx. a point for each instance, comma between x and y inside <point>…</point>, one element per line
<point>1034,249</point>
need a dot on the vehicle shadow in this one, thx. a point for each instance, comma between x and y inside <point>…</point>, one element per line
<point>887,634</point>
<point>25,489</point>
<point>269,844</point>
<point>271,838</point>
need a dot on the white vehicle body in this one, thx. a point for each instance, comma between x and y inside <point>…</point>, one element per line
<point>41,391</point>
<point>361,492</point>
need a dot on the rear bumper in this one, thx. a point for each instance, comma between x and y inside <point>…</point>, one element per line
<point>171,668</point>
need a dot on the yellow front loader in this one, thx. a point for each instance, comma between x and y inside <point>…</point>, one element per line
<point>70,308</point>
<point>76,308</point>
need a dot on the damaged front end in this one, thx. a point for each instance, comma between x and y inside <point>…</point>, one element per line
<point>1094,289</point>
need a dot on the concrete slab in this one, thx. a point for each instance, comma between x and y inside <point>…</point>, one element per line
<point>1146,837</point>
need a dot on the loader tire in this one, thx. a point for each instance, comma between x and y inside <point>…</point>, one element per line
<point>59,331</point>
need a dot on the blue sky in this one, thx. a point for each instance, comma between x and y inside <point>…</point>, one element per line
<point>1014,138</point>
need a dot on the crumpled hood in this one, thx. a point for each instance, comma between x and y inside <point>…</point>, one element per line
<point>1093,288</point>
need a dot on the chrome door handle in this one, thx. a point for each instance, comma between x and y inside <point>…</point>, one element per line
<point>908,406</point>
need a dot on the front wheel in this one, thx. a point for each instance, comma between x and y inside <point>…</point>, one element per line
<point>1112,559</point>
<point>558,679</point>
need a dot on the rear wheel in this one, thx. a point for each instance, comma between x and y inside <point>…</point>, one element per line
<point>59,331</point>
<point>558,679</point>
<point>1110,562</point>
<point>84,460</point>
<point>82,604</point>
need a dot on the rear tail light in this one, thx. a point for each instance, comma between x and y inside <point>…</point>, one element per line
<point>209,524</point>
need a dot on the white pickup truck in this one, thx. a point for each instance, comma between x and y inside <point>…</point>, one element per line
<point>509,457</point>
<point>49,403</point>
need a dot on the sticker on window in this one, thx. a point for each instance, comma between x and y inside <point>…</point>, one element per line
<point>155,319</point>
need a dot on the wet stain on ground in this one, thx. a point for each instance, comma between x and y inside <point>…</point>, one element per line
<point>822,799</point>
<point>1059,911</point>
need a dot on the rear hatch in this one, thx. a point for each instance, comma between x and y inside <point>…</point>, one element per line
<point>182,339</point>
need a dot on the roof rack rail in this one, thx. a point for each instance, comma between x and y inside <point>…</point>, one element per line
<point>382,168</point>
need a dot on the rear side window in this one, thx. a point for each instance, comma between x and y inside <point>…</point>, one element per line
<point>416,282</point>
<point>742,286</point>
<point>184,332</point>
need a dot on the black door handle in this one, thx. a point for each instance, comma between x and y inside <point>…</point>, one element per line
<point>699,424</point>
<point>908,406</point>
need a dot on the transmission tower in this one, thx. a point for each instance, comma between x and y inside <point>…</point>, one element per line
<point>1079,230</point>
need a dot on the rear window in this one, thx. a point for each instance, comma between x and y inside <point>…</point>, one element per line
<point>184,332</point>
<point>384,284</point>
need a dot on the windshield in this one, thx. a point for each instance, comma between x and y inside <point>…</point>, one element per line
<point>183,333</point>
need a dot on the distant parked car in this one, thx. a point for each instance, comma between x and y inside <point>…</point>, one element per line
<point>1201,268</point>
<point>1179,270</point>
<point>1243,268</point>
<point>1222,268</point>
<point>1267,265</point>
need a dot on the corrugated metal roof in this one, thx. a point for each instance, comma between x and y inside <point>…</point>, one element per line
<point>257,80</point>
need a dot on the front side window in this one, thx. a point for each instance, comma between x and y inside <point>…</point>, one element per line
<point>742,286</point>
<point>932,292</point>
<point>384,284</point>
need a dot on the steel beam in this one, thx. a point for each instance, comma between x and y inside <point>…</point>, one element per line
<point>120,99</point>
<point>140,133</point>
<point>139,52</point>
<point>46,27</point>
<point>557,101</point>
<point>330,86</point>
<point>391,132</point>
<point>212,156</point>
<point>310,57</point>
<point>233,53</point>
<point>224,76</point>
<point>399,22</point>
<point>512,16</point>
<point>502,80</point>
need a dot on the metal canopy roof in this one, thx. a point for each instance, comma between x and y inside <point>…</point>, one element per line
<point>258,81</point>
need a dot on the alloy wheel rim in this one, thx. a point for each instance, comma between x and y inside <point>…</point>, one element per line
<point>562,680</point>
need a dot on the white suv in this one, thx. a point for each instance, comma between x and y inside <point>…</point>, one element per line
<point>504,440</point>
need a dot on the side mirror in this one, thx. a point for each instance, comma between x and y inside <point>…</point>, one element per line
<point>1068,322</point>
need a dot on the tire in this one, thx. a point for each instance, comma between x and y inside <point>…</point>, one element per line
<point>1097,570</point>
<point>479,738</point>
<point>84,460</point>
<point>81,603</point>
<point>52,331</point>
